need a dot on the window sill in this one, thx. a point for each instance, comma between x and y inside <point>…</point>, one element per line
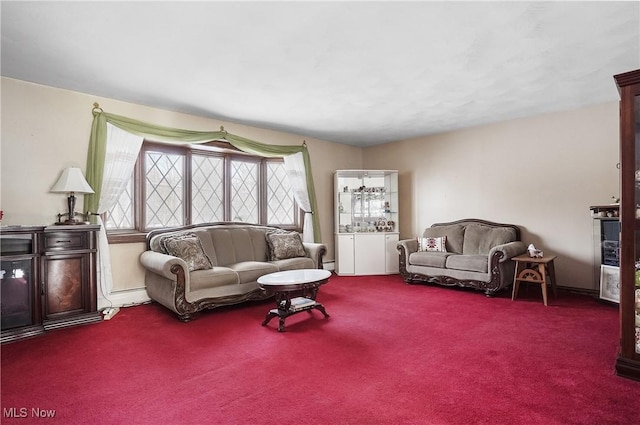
<point>128,237</point>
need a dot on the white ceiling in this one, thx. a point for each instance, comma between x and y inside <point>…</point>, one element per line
<point>361,73</point>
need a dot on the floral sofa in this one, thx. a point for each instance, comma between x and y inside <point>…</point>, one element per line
<point>203,266</point>
<point>469,253</point>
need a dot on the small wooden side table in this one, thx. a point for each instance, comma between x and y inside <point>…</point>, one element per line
<point>534,270</point>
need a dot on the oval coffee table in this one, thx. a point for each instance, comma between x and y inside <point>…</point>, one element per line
<point>295,291</point>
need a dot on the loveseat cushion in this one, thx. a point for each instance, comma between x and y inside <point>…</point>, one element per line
<point>479,239</point>
<point>453,232</point>
<point>429,259</point>
<point>473,263</point>
<point>212,278</point>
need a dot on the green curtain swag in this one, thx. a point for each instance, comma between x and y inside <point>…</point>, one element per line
<point>98,148</point>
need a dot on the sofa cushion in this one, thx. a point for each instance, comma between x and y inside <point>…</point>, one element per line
<point>479,239</point>
<point>237,244</point>
<point>189,248</point>
<point>207,244</point>
<point>433,244</point>
<point>250,271</point>
<point>285,245</point>
<point>294,263</point>
<point>212,278</point>
<point>453,232</point>
<point>429,259</point>
<point>474,263</point>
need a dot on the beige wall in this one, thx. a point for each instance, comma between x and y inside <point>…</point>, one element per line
<point>45,129</point>
<point>541,173</point>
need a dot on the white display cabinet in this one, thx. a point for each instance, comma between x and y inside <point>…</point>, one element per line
<point>366,222</point>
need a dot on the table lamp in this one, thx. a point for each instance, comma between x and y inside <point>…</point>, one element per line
<point>71,181</point>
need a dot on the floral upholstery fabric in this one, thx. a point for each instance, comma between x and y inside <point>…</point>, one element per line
<point>432,244</point>
<point>189,248</point>
<point>283,245</point>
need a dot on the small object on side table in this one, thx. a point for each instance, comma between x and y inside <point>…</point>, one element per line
<point>533,252</point>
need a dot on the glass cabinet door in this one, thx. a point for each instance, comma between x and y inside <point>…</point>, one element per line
<point>366,201</point>
<point>17,286</point>
<point>628,361</point>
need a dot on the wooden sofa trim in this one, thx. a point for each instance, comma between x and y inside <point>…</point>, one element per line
<point>186,310</point>
<point>489,287</point>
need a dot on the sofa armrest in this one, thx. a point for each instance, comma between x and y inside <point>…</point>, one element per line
<point>315,251</point>
<point>407,246</point>
<point>162,264</point>
<point>509,250</point>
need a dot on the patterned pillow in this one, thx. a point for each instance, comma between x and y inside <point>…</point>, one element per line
<point>433,244</point>
<point>162,239</point>
<point>189,248</point>
<point>283,245</point>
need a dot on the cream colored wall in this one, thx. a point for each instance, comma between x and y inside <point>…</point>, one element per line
<point>45,129</point>
<point>541,173</point>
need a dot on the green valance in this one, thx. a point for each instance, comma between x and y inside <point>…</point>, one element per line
<point>98,141</point>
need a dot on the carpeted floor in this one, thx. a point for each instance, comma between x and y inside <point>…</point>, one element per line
<point>390,353</point>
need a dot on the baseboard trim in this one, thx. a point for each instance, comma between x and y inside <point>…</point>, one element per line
<point>583,291</point>
<point>125,298</point>
<point>81,319</point>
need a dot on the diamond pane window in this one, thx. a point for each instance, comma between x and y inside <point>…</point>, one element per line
<point>181,184</point>
<point>244,191</point>
<point>207,189</point>
<point>164,175</point>
<point>120,217</point>
<point>280,202</point>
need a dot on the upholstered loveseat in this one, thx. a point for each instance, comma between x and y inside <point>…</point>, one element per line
<point>203,266</point>
<point>469,253</point>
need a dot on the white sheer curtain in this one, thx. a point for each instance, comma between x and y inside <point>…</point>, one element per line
<point>121,154</point>
<point>294,166</point>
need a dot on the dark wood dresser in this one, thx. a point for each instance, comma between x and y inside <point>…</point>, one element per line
<point>48,278</point>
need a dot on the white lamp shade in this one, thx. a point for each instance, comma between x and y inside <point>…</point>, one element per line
<point>72,180</point>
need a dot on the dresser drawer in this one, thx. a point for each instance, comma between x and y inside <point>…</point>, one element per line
<point>64,241</point>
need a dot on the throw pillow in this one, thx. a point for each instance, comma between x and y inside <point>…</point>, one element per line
<point>433,244</point>
<point>189,248</point>
<point>162,239</point>
<point>283,245</point>
<point>270,255</point>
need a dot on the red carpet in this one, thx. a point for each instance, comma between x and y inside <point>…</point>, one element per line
<point>390,353</point>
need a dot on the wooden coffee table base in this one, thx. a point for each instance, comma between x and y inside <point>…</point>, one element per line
<point>295,291</point>
<point>283,314</point>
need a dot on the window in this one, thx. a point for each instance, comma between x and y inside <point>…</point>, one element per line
<point>174,185</point>
<point>244,191</point>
